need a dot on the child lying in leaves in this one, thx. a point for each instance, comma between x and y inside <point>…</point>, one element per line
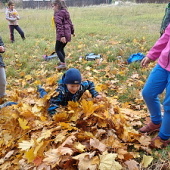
<point>70,88</point>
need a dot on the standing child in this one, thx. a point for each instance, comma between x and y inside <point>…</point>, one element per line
<point>70,88</point>
<point>64,29</point>
<point>165,20</point>
<point>158,81</point>
<point>2,72</point>
<point>13,17</point>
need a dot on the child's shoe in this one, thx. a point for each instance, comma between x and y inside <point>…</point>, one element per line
<point>62,66</point>
<point>149,128</point>
<point>45,57</point>
<point>157,142</point>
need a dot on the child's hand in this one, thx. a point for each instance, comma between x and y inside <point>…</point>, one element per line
<point>145,61</point>
<point>2,49</point>
<point>63,40</point>
<point>98,97</point>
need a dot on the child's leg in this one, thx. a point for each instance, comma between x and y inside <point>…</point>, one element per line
<point>2,81</point>
<point>20,32</point>
<point>154,86</point>
<point>59,48</point>
<point>11,29</point>
<point>165,130</point>
<point>62,49</point>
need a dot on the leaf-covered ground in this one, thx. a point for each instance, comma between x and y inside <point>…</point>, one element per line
<point>88,134</point>
<point>84,135</point>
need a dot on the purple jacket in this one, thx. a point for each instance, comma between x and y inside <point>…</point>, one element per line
<point>161,50</point>
<point>64,26</point>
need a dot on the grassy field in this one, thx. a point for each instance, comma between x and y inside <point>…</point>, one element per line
<point>108,30</point>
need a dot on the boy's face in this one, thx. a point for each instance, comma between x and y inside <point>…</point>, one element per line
<point>11,6</point>
<point>73,88</point>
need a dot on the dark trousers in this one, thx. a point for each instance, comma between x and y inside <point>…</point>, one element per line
<point>11,28</point>
<point>59,48</point>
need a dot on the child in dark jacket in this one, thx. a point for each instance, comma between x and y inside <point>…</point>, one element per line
<point>64,30</point>
<point>70,88</point>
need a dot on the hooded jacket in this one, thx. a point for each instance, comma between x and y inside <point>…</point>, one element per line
<point>161,50</point>
<point>1,59</point>
<point>64,95</point>
<point>64,26</point>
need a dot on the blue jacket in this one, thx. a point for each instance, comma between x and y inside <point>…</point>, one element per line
<point>64,95</point>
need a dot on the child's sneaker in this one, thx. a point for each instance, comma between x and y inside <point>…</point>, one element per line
<point>157,142</point>
<point>149,128</point>
<point>45,57</point>
<point>62,66</point>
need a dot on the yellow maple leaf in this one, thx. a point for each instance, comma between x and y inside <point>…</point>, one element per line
<point>107,162</point>
<point>146,161</point>
<point>51,80</point>
<point>29,155</point>
<point>23,123</point>
<point>28,77</point>
<point>88,107</point>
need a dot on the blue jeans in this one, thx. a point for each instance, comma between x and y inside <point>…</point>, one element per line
<point>158,81</point>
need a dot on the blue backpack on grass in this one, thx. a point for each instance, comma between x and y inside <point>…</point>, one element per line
<point>135,57</point>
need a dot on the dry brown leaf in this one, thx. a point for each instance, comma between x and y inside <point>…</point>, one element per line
<point>86,161</point>
<point>97,144</point>
<point>132,165</point>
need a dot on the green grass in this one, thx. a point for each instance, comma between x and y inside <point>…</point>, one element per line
<point>109,30</point>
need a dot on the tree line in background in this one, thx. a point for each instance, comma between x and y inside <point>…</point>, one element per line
<point>46,4</point>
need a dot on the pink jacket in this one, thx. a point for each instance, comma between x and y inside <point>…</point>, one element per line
<point>161,50</point>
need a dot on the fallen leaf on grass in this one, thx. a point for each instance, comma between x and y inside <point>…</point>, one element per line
<point>146,161</point>
<point>132,165</point>
<point>107,162</point>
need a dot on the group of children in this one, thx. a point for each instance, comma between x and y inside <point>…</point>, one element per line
<point>71,87</point>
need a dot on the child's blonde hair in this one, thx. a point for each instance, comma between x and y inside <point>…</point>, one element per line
<point>61,4</point>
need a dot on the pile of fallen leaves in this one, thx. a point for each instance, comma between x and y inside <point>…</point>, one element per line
<point>84,135</point>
